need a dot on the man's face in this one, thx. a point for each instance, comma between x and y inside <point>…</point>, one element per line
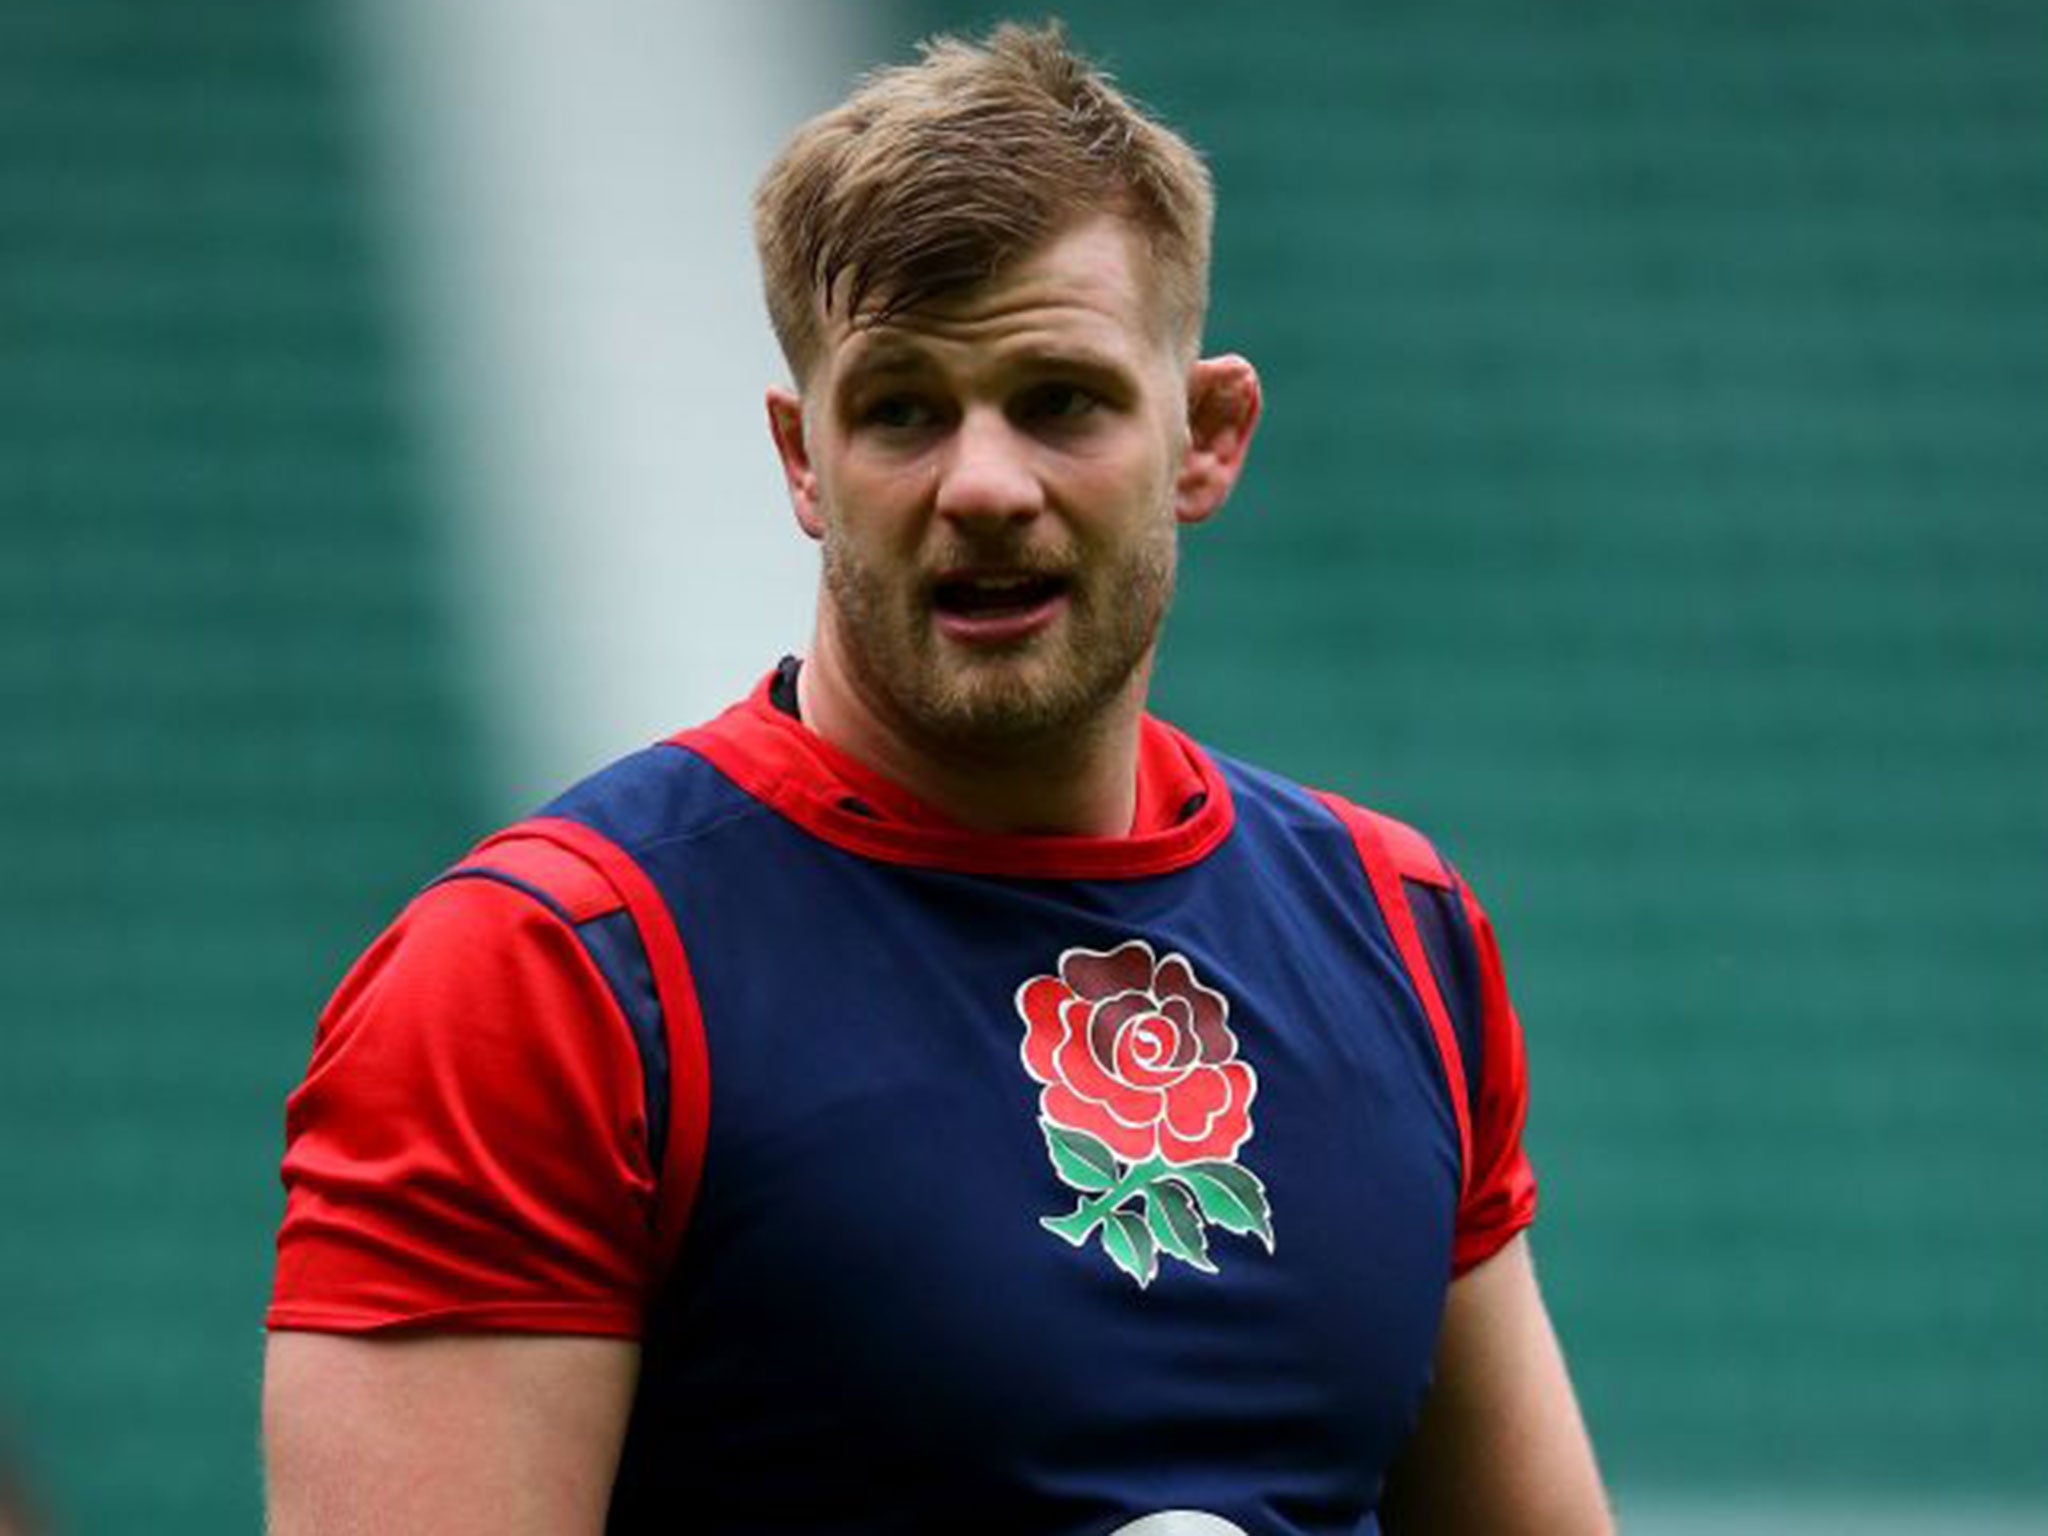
<point>994,490</point>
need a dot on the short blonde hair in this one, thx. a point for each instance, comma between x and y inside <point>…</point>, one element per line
<point>933,176</point>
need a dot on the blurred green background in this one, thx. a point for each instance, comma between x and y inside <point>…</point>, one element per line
<point>1653,503</point>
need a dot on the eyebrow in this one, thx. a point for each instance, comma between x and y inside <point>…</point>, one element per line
<point>1082,360</point>
<point>895,359</point>
<point>886,359</point>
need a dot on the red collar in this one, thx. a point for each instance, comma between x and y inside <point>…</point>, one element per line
<point>781,762</point>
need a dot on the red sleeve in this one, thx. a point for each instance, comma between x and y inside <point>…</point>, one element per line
<point>468,1148</point>
<point>1500,1195</point>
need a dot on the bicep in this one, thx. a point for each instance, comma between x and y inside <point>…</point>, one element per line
<point>503,1434</point>
<point>1500,1448</point>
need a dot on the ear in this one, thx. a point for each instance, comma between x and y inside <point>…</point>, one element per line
<point>1223,411</point>
<point>786,426</point>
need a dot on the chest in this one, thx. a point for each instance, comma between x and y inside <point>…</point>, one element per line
<point>1110,1195</point>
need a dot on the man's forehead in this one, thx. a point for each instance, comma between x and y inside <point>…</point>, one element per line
<point>1092,288</point>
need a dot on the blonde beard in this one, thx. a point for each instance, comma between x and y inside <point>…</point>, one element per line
<point>1054,686</point>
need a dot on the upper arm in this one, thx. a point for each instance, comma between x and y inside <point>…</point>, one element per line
<point>1501,1449</point>
<point>469,1148</point>
<point>458,1434</point>
<point>468,1235</point>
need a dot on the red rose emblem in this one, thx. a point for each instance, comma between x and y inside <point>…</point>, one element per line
<point>1138,1054</point>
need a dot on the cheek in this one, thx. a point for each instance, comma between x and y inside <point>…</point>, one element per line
<point>1130,450</point>
<point>1118,500</point>
<point>879,498</point>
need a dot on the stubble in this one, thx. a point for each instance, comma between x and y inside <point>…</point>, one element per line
<point>1002,700</point>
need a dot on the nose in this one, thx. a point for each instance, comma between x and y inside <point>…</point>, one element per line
<point>987,471</point>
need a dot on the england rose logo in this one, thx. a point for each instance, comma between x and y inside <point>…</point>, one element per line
<point>1145,1106</point>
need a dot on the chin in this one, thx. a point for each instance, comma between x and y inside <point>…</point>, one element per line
<point>1019,698</point>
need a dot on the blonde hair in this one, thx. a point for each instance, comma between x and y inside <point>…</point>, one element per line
<point>933,176</point>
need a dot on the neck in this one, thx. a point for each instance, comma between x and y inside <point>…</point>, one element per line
<point>1077,782</point>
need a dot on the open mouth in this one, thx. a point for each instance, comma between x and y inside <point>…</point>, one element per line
<point>997,610</point>
<point>995,597</point>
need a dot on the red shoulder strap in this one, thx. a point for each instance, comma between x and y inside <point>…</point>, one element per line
<point>1390,852</point>
<point>587,875</point>
<point>1414,855</point>
<point>549,869</point>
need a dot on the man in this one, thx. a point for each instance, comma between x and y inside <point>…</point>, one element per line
<point>936,1095</point>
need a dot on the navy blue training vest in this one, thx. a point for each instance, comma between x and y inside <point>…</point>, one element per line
<point>869,1327</point>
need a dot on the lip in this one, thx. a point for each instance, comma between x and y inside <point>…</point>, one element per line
<point>995,629</point>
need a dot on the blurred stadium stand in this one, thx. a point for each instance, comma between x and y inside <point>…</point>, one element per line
<point>1651,503</point>
<point>233,740</point>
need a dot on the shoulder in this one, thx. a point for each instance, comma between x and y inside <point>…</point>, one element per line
<point>1412,855</point>
<point>511,942</point>
<point>1374,834</point>
<point>672,789</point>
<point>480,962</point>
<point>469,1145</point>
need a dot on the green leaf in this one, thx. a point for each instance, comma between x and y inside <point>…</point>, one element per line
<point>1074,1226</point>
<point>1171,1214</point>
<point>1079,1158</point>
<point>1127,1240</point>
<point>1231,1197</point>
